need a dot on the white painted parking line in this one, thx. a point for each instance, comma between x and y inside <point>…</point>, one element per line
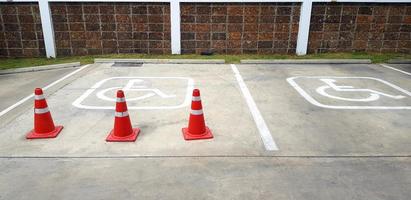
<point>265,134</point>
<point>393,68</point>
<point>45,88</point>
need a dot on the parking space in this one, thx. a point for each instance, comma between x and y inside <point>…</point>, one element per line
<point>280,131</point>
<point>85,108</point>
<point>402,68</point>
<point>253,110</point>
<point>17,86</point>
<point>333,110</point>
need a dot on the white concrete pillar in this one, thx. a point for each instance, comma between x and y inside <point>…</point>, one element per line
<point>47,26</point>
<point>175,26</point>
<point>304,27</point>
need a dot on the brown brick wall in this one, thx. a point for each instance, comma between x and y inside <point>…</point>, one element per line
<point>102,28</point>
<point>360,27</point>
<point>239,28</point>
<point>20,30</point>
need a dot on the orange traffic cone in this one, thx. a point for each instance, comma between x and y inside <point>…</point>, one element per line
<point>196,125</point>
<point>122,132</point>
<point>43,122</point>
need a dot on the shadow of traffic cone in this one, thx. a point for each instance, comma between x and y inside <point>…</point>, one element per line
<point>196,129</point>
<point>43,122</point>
<point>122,132</point>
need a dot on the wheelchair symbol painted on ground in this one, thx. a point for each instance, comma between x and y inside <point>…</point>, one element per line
<point>146,93</point>
<point>331,84</point>
<point>134,85</point>
<point>344,92</point>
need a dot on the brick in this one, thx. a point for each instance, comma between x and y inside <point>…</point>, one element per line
<point>203,19</point>
<point>220,10</point>
<point>139,19</point>
<point>235,10</point>
<point>78,44</point>
<point>107,18</point>
<point>155,44</point>
<point>235,28</point>
<point>122,9</point>
<point>188,9</point>
<point>187,36</point>
<point>219,36</point>
<point>234,36</point>
<point>366,10</point>
<point>93,18</point>
<point>265,44</point>
<point>203,44</point>
<point>234,44</point>
<point>202,36</point>
<point>218,19</point>
<point>203,10</point>
<point>158,10</point>
<point>92,27</point>
<point>155,36</point>
<point>124,27</point>
<point>106,9</point>
<point>90,9</point>
<point>124,35</point>
<point>91,35</point>
<point>250,27</point>
<point>219,44</point>
<point>155,27</point>
<point>139,9</point>
<point>235,19</point>
<point>265,27</point>
<point>108,27</point>
<point>155,19</point>
<point>284,11</point>
<point>76,27</point>
<point>187,19</point>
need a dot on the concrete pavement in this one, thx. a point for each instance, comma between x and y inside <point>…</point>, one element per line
<point>335,149</point>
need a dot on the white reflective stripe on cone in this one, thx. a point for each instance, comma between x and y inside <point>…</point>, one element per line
<point>121,114</point>
<point>41,110</point>
<point>196,98</point>
<point>196,112</point>
<point>39,97</point>
<point>121,99</point>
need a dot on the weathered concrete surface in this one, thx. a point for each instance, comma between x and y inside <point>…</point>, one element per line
<point>206,178</point>
<point>39,68</point>
<point>85,130</point>
<point>403,67</point>
<point>307,61</point>
<point>301,128</point>
<point>324,153</point>
<point>17,86</point>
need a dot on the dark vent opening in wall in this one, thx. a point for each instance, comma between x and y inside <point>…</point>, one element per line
<point>127,64</point>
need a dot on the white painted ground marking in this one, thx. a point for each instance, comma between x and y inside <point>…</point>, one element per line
<point>78,102</point>
<point>137,85</point>
<point>310,99</point>
<point>331,84</point>
<point>398,70</point>
<point>45,88</point>
<point>265,134</point>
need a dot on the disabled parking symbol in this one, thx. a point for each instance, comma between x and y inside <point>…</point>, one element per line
<point>147,93</point>
<point>351,92</point>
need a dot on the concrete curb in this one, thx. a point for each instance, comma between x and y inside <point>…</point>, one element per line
<point>308,61</point>
<point>39,68</point>
<point>163,61</point>
<point>399,61</point>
